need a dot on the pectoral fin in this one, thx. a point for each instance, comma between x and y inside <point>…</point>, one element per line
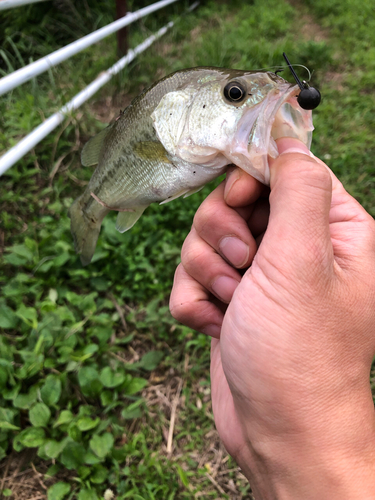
<point>151,150</point>
<point>126,220</point>
<point>91,150</point>
<point>180,193</point>
<point>185,193</point>
<point>193,191</point>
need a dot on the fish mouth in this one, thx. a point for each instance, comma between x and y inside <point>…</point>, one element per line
<point>255,141</point>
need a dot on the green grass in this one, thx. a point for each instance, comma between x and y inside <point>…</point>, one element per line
<point>90,359</point>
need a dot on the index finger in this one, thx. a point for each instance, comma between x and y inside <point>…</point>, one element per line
<point>241,189</point>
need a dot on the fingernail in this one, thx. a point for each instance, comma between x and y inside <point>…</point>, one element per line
<point>234,250</point>
<point>232,177</point>
<point>212,331</point>
<point>224,288</point>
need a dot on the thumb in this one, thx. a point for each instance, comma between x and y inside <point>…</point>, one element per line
<point>300,201</point>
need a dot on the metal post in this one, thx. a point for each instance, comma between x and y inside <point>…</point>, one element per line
<point>122,34</point>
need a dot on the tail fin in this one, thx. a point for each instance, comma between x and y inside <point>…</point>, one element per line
<point>85,232</point>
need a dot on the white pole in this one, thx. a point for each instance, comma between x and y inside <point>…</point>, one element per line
<point>10,4</point>
<point>32,139</point>
<point>24,74</point>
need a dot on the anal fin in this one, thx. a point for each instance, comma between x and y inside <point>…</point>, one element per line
<point>126,220</point>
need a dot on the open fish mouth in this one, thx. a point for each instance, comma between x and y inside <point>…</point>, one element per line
<point>255,141</point>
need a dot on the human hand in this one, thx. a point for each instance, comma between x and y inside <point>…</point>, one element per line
<point>291,359</point>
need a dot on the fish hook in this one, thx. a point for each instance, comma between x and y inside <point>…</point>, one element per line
<point>309,97</point>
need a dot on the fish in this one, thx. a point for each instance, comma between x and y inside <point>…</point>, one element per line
<point>179,134</point>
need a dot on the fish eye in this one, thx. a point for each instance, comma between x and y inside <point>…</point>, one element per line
<point>235,92</point>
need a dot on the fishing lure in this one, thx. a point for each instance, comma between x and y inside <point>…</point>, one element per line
<point>309,97</point>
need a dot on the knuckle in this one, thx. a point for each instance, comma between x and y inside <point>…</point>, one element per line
<point>206,215</point>
<point>192,257</point>
<point>315,174</point>
<point>307,168</point>
<point>180,310</point>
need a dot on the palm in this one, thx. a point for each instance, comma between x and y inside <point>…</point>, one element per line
<point>226,419</point>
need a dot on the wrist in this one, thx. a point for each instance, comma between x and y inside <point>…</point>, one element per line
<point>335,461</point>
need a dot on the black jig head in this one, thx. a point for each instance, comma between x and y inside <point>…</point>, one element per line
<point>309,97</point>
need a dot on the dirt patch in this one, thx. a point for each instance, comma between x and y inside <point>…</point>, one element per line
<point>310,30</point>
<point>26,480</point>
<point>335,79</point>
<point>167,405</point>
<point>108,108</point>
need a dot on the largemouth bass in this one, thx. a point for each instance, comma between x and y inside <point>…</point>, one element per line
<point>178,135</point>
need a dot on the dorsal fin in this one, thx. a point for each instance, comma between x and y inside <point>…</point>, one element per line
<point>91,150</point>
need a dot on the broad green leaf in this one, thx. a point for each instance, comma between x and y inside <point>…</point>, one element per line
<point>107,397</point>
<point>151,360</point>
<point>73,298</point>
<point>28,315</point>
<point>22,251</point>
<point>111,379</point>
<point>65,417</point>
<point>87,495</point>
<point>102,333</point>
<point>7,492</point>
<point>124,340</point>
<point>84,472</point>
<point>102,445</point>
<point>89,381</point>
<point>8,318</point>
<point>12,393</point>
<point>86,423</point>
<point>33,364</point>
<point>3,376</point>
<point>53,470</point>
<point>8,426</point>
<point>85,410</point>
<point>39,415</point>
<point>7,415</point>
<point>132,411</point>
<point>14,260</point>
<point>100,474</point>
<point>73,455</point>
<point>74,432</point>
<point>25,401</point>
<point>100,254</point>
<point>92,459</point>
<point>31,437</point>
<point>51,390</point>
<point>99,284</point>
<point>135,385</point>
<point>61,259</point>
<point>90,349</point>
<point>58,491</point>
<point>53,448</point>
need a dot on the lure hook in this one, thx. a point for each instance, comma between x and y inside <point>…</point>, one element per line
<point>309,97</point>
